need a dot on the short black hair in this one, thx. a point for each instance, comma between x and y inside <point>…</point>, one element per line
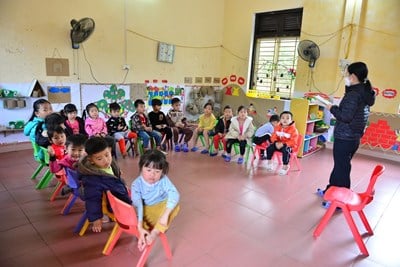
<point>227,107</point>
<point>114,106</point>
<point>138,102</point>
<point>95,145</point>
<point>53,120</point>
<point>286,112</point>
<point>76,140</point>
<point>240,108</point>
<point>57,129</point>
<point>274,118</point>
<point>156,102</point>
<point>154,159</point>
<point>175,100</point>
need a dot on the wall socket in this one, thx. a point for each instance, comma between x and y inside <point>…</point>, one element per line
<point>343,63</point>
<point>126,67</point>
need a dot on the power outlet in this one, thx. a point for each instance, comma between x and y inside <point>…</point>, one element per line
<point>343,63</point>
<point>126,67</point>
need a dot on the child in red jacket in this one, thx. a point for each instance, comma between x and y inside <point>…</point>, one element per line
<point>284,139</point>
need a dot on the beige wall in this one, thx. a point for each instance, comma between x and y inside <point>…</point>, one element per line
<point>374,39</point>
<point>32,30</point>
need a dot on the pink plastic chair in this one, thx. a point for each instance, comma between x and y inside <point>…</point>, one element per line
<point>293,156</point>
<point>126,221</point>
<point>348,200</point>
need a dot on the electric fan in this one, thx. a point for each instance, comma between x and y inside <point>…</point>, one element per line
<point>308,51</point>
<point>81,30</point>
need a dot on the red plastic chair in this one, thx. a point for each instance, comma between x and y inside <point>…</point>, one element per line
<point>62,181</point>
<point>126,221</point>
<point>348,200</point>
<point>257,150</point>
<point>293,156</point>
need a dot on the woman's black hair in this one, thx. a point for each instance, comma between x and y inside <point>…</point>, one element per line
<point>154,159</point>
<point>58,129</point>
<point>53,120</point>
<point>36,107</point>
<point>95,145</point>
<point>360,70</point>
<point>85,113</point>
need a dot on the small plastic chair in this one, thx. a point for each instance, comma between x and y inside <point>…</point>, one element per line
<point>44,182</point>
<point>257,151</point>
<point>83,223</point>
<point>62,181</point>
<point>126,221</point>
<point>348,200</point>
<point>73,183</point>
<point>249,148</point>
<point>293,156</point>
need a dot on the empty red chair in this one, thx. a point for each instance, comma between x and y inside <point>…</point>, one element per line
<point>293,156</point>
<point>348,201</point>
<point>126,221</point>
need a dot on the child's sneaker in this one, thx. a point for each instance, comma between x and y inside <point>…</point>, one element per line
<point>240,160</point>
<point>177,148</point>
<point>204,151</point>
<point>194,149</point>
<point>263,157</point>
<point>185,148</point>
<point>270,167</point>
<point>227,158</point>
<point>283,171</point>
<point>320,192</point>
<point>165,153</point>
<point>213,154</point>
<point>223,155</point>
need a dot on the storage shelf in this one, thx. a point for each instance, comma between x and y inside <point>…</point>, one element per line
<point>318,148</point>
<point>310,121</point>
<point>313,136</point>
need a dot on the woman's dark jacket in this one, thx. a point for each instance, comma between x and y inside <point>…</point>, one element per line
<point>352,112</point>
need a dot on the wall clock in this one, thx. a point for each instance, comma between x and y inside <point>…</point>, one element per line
<point>165,52</point>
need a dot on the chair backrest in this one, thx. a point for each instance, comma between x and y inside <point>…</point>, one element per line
<point>36,149</point>
<point>369,193</point>
<point>298,144</point>
<point>124,213</point>
<point>72,178</point>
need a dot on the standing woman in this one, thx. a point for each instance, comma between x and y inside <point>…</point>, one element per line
<point>351,119</point>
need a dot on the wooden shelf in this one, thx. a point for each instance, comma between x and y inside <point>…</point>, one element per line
<point>313,136</point>
<point>309,121</point>
<point>310,152</point>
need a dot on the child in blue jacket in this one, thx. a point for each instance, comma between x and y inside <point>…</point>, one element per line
<point>99,173</point>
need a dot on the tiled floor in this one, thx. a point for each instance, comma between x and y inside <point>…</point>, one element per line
<point>230,216</point>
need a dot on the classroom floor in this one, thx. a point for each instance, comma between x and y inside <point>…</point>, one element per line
<point>230,216</point>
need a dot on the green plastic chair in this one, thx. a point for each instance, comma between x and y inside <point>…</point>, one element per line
<point>44,182</point>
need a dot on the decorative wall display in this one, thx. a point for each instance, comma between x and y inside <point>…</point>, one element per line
<point>207,79</point>
<point>188,80</point>
<point>57,67</point>
<point>59,94</point>
<point>389,93</point>
<point>216,80</point>
<point>164,92</point>
<point>198,80</point>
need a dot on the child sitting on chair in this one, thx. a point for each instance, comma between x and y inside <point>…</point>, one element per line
<point>73,123</point>
<point>158,121</point>
<point>206,125</point>
<point>221,129</point>
<point>99,173</point>
<point>141,125</point>
<point>116,127</point>
<point>264,133</point>
<point>57,139</point>
<point>240,131</point>
<point>284,139</point>
<point>154,196</point>
<point>177,122</point>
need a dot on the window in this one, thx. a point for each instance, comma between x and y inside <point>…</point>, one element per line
<point>274,61</point>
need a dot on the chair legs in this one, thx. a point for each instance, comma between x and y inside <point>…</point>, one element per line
<point>112,240</point>
<point>68,205</point>
<point>38,169</point>
<point>44,182</point>
<point>350,221</point>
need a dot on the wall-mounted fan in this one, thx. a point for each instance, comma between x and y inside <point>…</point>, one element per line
<point>309,51</point>
<point>81,30</point>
